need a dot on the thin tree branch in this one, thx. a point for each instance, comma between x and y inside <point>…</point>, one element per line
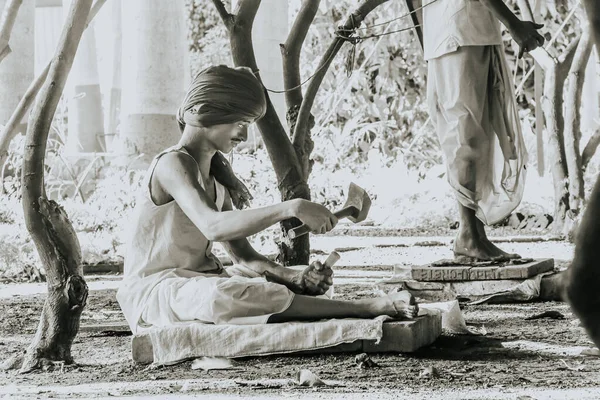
<point>354,20</point>
<point>590,149</point>
<point>566,58</point>
<point>561,72</point>
<point>223,13</point>
<point>552,106</point>
<point>94,11</point>
<point>246,11</point>
<point>9,15</point>
<point>290,52</point>
<point>572,127</point>
<point>10,129</point>
<point>6,50</point>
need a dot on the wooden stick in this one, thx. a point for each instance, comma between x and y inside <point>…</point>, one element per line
<point>334,256</point>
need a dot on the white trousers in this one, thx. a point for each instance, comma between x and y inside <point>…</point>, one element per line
<point>472,104</point>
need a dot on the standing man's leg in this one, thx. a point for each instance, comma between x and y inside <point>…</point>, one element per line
<point>458,95</point>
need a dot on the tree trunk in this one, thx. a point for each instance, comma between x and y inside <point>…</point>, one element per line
<point>553,102</point>
<point>302,121</point>
<point>281,152</point>
<point>572,127</point>
<point>592,8</point>
<point>291,65</point>
<point>290,160</point>
<point>296,251</point>
<point>553,109</point>
<point>50,229</point>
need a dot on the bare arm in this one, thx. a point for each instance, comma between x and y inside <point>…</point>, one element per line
<point>242,252</point>
<point>177,175</point>
<point>523,32</point>
<point>315,279</point>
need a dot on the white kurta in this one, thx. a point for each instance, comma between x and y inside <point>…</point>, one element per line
<point>472,104</point>
<point>450,24</point>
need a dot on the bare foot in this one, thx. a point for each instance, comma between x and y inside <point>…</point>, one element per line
<point>479,248</point>
<point>398,305</point>
<point>472,243</point>
<point>500,254</point>
<point>495,250</point>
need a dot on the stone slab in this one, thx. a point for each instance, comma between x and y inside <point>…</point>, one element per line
<point>475,272</point>
<point>406,336</point>
<point>550,288</point>
<point>398,336</point>
<point>103,268</point>
<point>106,327</point>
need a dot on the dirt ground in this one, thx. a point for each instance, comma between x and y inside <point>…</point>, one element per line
<point>514,356</point>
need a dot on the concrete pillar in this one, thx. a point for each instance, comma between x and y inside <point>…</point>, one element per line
<point>16,70</point>
<point>108,28</point>
<point>154,66</point>
<point>86,120</point>
<point>49,21</point>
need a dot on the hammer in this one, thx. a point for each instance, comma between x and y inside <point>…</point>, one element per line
<point>355,209</point>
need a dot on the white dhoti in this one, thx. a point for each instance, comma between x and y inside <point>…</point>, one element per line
<point>472,104</point>
<point>214,299</point>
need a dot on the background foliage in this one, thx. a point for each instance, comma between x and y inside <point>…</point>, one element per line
<point>371,128</point>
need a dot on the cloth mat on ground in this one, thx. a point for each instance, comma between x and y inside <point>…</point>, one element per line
<point>527,290</point>
<point>191,340</point>
<point>453,321</point>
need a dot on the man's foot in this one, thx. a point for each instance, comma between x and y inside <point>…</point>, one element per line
<point>500,254</point>
<point>472,243</point>
<point>495,250</point>
<point>477,247</point>
<point>398,305</point>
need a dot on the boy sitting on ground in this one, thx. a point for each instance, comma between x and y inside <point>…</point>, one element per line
<point>171,274</point>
